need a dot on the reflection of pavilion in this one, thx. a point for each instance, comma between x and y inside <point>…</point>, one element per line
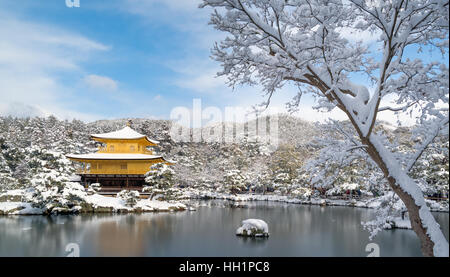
<point>128,235</point>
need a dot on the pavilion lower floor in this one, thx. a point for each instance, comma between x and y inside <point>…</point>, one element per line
<point>114,183</point>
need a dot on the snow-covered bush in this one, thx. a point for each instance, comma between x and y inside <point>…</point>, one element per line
<point>131,198</point>
<point>433,169</point>
<point>73,193</point>
<point>301,192</point>
<point>65,195</point>
<point>45,198</point>
<point>282,183</point>
<point>160,182</point>
<point>234,181</point>
<point>94,188</point>
<point>7,182</point>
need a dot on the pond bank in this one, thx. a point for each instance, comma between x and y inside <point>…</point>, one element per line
<point>13,203</point>
<point>91,204</point>
<point>369,203</point>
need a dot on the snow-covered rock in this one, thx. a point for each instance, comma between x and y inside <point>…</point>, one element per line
<point>18,208</point>
<point>253,228</point>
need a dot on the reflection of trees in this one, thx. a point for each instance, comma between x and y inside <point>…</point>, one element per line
<point>295,230</point>
<point>103,235</point>
<point>36,235</point>
<point>255,242</point>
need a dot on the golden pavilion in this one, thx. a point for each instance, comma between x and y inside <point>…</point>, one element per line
<point>120,163</point>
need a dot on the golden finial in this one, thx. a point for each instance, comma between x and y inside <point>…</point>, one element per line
<point>129,123</point>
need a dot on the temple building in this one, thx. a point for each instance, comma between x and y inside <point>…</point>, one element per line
<point>120,163</point>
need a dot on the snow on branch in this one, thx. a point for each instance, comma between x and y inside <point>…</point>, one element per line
<point>433,133</point>
<point>272,42</point>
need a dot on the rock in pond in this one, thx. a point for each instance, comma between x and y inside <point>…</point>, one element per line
<point>253,228</point>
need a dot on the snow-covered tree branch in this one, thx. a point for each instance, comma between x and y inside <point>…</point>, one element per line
<point>272,42</point>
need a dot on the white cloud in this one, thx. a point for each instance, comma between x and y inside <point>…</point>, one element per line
<point>248,96</point>
<point>29,45</point>
<point>354,35</point>
<point>34,60</point>
<point>203,82</point>
<point>100,82</point>
<point>198,74</point>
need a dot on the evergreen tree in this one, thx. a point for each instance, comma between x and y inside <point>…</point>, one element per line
<point>160,180</point>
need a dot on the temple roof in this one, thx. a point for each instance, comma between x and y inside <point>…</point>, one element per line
<point>125,133</point>
<point>112,156</point>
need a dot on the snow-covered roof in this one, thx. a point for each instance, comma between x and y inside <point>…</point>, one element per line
<point>112,156</point>
<point>125,133</point>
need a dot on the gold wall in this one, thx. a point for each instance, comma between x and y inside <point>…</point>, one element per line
<point>118,166</point>
<point>125,146</point>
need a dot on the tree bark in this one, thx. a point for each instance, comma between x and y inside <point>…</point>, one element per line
<point>413,210</point>
<point>427,245</point>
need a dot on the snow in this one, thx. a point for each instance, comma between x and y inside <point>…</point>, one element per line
<point>292,57</point>
<point>146,205</point>
<point>18,208</point>
<point>370,203</point>
<point>155,205</point>
<point>351,186</point>
<point>9,206</point>
<point>75,178</point>
<point>253,227</point>
<point>125,133</point>
<point>98,202</point>
<point>112,156</point>
<point>14,192</point>
<point>400,223</point>
<point>440,248</point>
<point>431,136</point>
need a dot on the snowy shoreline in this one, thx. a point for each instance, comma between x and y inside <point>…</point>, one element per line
<point>370,203</point>
<point>143,206</point>
<point>94,203</point>
<point>102,204</point>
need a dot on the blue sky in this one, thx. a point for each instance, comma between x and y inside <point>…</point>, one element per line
<point>115,59</point>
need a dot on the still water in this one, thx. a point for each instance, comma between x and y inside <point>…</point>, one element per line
<point>295,230</point>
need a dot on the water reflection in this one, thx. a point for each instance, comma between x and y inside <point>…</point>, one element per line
<point>294,231</point>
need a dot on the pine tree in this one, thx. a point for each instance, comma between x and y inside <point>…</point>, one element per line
<point>160,180</point>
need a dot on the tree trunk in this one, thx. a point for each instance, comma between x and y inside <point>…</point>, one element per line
<point>427,244</point>
<point>427,237</point>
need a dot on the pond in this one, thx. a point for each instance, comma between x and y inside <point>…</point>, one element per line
<point>295,230</point>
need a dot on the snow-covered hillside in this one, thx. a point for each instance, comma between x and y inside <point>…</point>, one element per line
<point>33,149</point>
